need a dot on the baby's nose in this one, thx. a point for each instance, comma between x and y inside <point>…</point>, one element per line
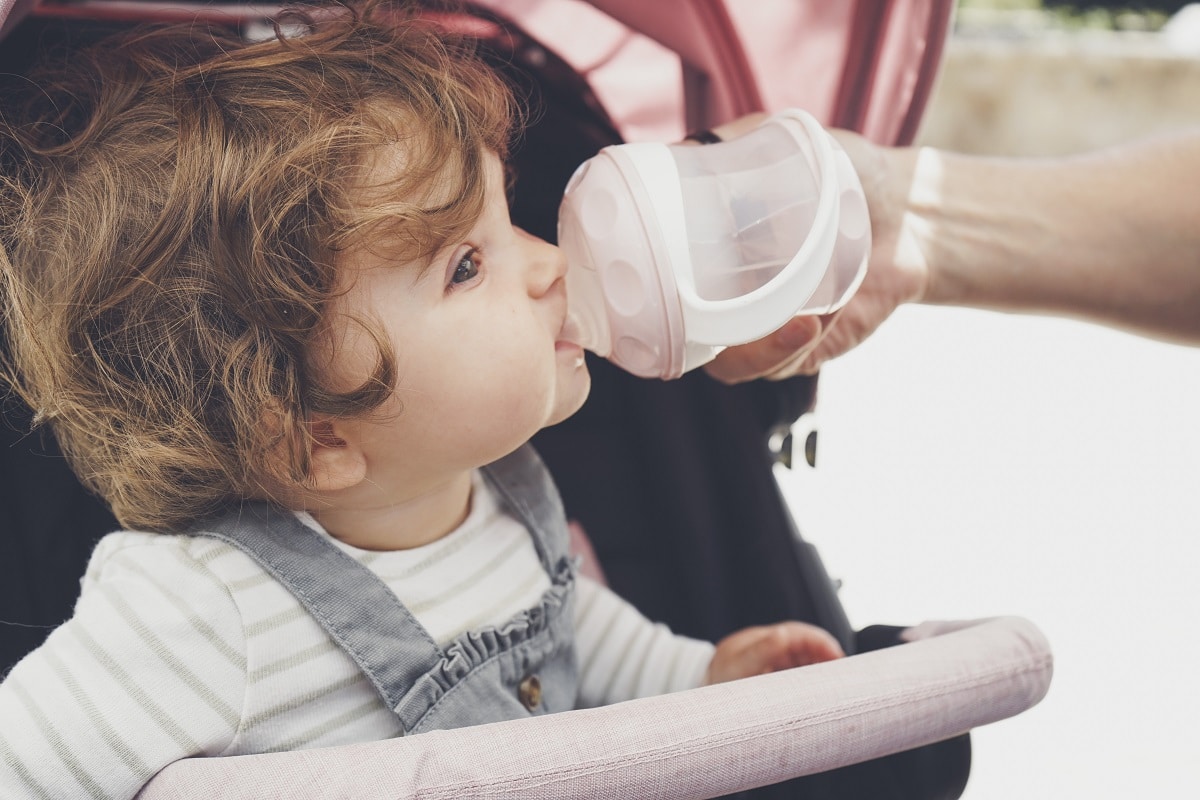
<point>547,263</point>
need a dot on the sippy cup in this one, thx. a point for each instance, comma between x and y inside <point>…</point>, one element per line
<point>675,252</point>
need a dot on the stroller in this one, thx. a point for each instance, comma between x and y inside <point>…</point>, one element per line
<point>683,514</point>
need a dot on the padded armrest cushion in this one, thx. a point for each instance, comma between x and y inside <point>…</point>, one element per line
<point>696,744</point>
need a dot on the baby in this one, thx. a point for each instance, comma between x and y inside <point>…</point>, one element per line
<point>269,300</point>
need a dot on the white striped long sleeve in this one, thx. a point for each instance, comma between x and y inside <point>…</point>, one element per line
<point>623,655</point>
<point>150,669</point>
<point>182,646</point>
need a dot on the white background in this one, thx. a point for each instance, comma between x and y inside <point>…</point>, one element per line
<point>976,464</point>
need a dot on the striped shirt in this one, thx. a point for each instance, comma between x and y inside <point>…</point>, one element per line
<point>183,646</point>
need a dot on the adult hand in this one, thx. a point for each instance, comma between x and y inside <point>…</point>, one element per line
<point>896,274</point>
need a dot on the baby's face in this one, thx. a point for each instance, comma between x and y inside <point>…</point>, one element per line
<point>478,337</point>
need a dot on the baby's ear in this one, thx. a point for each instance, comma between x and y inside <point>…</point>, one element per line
<point>337,461</point>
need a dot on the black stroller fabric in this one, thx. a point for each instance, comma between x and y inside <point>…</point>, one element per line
<point>48,522</point>
<point>671,480</point>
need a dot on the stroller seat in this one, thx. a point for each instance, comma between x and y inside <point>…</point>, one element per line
<point>706,742</point>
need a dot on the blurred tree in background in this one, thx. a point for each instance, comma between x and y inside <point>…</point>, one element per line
<point>1113,14</point>
<point>1166,7</point>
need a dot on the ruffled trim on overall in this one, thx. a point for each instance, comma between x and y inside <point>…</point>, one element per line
<point>473,648</point>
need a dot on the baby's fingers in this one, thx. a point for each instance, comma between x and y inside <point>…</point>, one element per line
<point>768,648</point>
<point>796,644</point>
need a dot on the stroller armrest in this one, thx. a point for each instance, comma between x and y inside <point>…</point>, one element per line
<point>695,744</point>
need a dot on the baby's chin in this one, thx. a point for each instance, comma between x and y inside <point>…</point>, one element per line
<point>573,395</point>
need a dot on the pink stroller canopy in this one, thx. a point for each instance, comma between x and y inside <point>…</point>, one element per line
<point>666,66</point>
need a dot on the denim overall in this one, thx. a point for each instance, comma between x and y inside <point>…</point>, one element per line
<point>523,667</point>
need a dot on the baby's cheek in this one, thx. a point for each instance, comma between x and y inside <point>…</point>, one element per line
<point>529,396</point>
<point>518,371</point>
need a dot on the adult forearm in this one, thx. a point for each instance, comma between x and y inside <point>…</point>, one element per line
<point>1112,236</point>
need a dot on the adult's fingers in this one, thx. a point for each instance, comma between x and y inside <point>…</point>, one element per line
<point>769,356</point>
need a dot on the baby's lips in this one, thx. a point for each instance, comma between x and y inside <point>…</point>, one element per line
<point>570,331</point>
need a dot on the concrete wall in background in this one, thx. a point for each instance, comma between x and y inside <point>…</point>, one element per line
<point>975,464</point>
<point>1059,94</point>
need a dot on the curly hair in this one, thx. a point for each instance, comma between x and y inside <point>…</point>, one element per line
<point>172,205</point>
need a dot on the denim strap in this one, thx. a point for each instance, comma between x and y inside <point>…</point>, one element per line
<point>354,606</point>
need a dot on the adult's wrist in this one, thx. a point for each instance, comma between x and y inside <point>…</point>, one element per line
<point>901,185</point>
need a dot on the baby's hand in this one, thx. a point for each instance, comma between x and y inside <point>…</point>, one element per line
<point>768,648</point>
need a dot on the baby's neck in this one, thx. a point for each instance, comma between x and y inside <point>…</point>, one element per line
<point>374,523</point>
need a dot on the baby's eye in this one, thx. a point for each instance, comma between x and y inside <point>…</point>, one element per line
<point>466,268</point>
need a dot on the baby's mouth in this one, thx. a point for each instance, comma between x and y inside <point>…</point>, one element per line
<point>568,338</point>
<point>569,333</point>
